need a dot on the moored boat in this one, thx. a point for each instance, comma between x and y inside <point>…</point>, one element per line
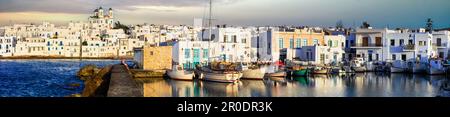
<point>220,72</point>
<point>299,71</point>
<point>320,70</point>
<point>436,67</point>
<point>277,74</point>
<point>254,73</point>
<point>399,66</point>
<point>178,73</point>
<point>358,65</point>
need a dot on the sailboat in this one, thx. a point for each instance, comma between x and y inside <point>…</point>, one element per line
<point>219,71</point>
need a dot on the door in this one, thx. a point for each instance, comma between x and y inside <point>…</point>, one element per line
<point>196,57</point>
<point>365,41</point>
<point>438,42</point>
<point>378,41</point>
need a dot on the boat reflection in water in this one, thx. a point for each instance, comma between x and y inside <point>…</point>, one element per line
<point>344,85</point>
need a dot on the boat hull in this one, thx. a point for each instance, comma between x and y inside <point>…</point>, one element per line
<point>257,74</point>
<point>398,70</point>
<point>277,74</point>
<point>434,71</point>
<point>180,75</point>
<point>322,71</point>
<point>359,69</point>
<point>221,77</point>
<point>303,72</point>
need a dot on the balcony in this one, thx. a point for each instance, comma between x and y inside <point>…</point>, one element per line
<point>367,46</point>
<point>440,45</point>
<point>409,47</point>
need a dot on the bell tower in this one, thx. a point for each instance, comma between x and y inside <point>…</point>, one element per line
<point>111,13</point>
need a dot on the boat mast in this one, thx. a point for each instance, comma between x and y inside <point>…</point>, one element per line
<point>210,30</point>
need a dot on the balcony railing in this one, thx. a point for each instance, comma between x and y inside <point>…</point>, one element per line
<point>440,45</point>
<point>409,47</point>
<point>367,45</point>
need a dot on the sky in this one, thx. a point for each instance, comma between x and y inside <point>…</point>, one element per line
<point>324,13</point>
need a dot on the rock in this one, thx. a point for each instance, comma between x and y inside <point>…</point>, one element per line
<point>87,72</point>
<point>97,85</point>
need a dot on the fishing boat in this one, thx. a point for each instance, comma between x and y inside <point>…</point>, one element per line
<point>358,65</point>
<point>178,73</point>
<point>220,72</point>
<point>436,67</point>
<point>256,73</point>
<point>399,66</point>
<point>320,70</point>
<point>277,74</point>
<point>300,71</point>
<point>417,67</point>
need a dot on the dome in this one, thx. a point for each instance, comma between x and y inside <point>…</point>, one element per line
<point>110,8</point>
<point>100,8</point>
<point>96,10</point>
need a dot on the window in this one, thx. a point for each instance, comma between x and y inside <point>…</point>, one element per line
<point>402,42</point>
<point>291,43</point>
<point>297,43</point>
<point>316,42</point>
<point>205,53</point>
<point>151,53</point>
<point>404,57</point>
<point>424,43</point>
<point>280,41</point>
<point>187,53</point>
<point>244,40</point>
<point>394,57</point>
<point>225,38</point>
<point>330,43</point>
<point>234,39</point>
<point>420,43</point>
<point>305,42</point>
<point>392,42</point>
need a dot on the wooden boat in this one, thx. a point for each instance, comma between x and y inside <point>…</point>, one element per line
<point>178,73</point>
<point>300,71</point>
<point>220,72</point>
<point>358,65</point>
<point>320,70</point>
<point>277,74</point>
<point>254,73</point>
<point>399,67</point>
<point>436,67</point>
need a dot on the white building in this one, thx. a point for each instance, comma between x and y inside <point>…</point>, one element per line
<point>332,52</point>
<point>407,45</point>
<point>441,41</point>
<point>7,45</point>
<point>369,44</point>
<point>233,44</point>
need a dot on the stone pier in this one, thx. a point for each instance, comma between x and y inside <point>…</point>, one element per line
<point>122,83</point>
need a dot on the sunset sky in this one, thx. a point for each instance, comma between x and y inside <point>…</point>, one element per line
<point>379,13</point>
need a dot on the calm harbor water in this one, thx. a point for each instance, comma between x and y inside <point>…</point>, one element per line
<point>357,85</point>
<point>49,78</point>
<point>42,78</point>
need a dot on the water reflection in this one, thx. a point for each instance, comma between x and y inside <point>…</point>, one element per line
<point>344,85</point>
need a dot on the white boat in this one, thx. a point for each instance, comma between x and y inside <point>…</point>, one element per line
<point>399,66</point>
<point>370,67</point>
<point>178,73</point>
<point>225,77</point>
<point>278,74</point>
<point>320,70</point>
<point>257,73</point>
<point>417,67</point>
<point>435,67</point>
<point>358,65</point>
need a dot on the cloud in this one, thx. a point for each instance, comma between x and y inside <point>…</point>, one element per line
<point>87,6</point>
